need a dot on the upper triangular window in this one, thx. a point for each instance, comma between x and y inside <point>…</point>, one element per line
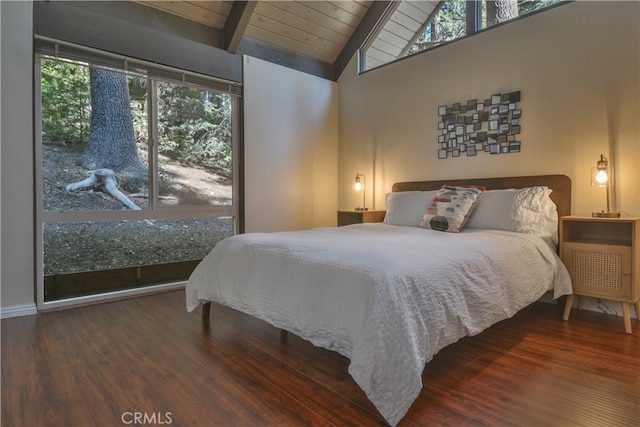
<point>410,27</point>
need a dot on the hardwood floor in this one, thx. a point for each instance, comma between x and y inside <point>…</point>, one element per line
<point>104,365</point>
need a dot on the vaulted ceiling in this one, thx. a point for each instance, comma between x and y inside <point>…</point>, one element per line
<point>315,36</point>
<point>317,29</point>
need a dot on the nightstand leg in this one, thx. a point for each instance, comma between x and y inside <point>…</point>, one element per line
<point>627,317</point>
<point>567,307</point>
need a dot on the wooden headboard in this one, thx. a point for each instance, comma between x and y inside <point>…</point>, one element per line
<point>560,184</point>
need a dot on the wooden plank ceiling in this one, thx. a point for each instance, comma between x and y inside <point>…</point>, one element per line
<point>328,32</point>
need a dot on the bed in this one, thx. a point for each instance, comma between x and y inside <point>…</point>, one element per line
<point>390,295</point>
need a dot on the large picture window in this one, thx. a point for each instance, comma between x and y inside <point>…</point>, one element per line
<point>136,172</point>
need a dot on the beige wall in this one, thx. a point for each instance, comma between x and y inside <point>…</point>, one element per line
<point>17,256</point>
<point>291,148</point>
<point>577,67</point>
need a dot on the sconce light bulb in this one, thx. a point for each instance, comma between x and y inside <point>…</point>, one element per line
<point>602,177</point>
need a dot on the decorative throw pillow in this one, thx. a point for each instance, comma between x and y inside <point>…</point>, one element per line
<point>450,208</point>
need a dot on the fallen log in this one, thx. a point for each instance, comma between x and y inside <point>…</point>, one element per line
<point>103,179</point>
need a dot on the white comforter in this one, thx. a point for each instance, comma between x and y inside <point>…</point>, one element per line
<point>387,297</point>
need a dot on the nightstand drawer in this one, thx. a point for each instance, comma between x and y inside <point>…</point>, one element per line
<point>599,270</point>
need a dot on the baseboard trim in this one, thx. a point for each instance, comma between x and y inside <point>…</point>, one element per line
<point>18,311</point>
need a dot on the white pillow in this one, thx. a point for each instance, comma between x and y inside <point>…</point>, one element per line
<point>550,222</point>
<point>406,208</point>
<point>526,210</point>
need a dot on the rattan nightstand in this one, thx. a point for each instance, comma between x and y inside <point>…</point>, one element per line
<point>601,255</point>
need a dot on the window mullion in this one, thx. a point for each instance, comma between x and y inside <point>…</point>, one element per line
<point>152,143</point>
<point>237,138</point>
<point>472,17</point>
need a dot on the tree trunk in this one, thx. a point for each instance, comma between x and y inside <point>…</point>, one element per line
<point>500,11</point>
<point>112,143</point>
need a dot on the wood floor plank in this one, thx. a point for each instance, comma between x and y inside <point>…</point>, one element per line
<point>323,366</point>
<point>92,365</point>
<point>319,398</point>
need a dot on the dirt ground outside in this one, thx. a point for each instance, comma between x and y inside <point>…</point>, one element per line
<point>87,246</point>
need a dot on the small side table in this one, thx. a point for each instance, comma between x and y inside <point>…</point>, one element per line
<point>602,256</point>
<point>359,217</point>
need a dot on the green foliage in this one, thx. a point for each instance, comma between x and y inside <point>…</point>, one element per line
<point>139,112</point>
<point>66,102</point>
<point>195,125</point>
<point>448,24</point>
<point>452,21</point>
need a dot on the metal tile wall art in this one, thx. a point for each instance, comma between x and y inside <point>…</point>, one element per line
<point>490,126</point>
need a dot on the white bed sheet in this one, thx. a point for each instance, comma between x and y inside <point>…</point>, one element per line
<point>387,297</point>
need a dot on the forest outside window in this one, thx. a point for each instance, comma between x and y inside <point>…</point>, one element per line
<point>137,176</point>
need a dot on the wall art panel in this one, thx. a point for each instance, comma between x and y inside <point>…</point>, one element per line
<point>489,126</point>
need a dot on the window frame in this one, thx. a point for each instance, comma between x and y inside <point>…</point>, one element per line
<point>44,46</point>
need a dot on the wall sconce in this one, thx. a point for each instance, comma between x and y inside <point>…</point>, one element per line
<point>359,186</point>
<point>602,176</point>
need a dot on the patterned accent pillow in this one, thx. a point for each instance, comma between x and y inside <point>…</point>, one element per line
<point>451,208</point>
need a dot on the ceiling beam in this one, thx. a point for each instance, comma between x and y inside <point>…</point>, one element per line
<point>369,21</point>
<point>236,24</point>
